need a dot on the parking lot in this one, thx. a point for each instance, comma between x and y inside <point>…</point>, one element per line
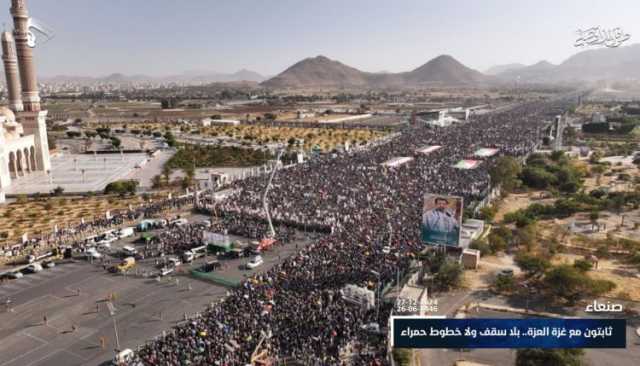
<point>75,297</point>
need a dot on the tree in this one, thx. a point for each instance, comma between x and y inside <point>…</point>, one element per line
<point>171,140</point>
<point>532,265</point>
<point>504,284</point>
<point>505,172</point>
<point>480,245</point>
<point>549,357</point>
<point>488,213</point>
<point>122,187</point>
<point>582,265</point>
<point>567,283</point>
<point>156,182</point>
<point>497,243</point>
<point>593,217</point>
<point>537,177</point>
<point>598,170</point>
<point>448,276</point>
<point>115,142</point>
<point>57,191</point>
<point>526,235</point>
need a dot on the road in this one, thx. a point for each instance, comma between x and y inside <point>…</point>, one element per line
<point>74,293</point>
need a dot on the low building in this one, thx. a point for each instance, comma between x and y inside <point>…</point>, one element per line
<point>470,258</point>
<point>207,122</point>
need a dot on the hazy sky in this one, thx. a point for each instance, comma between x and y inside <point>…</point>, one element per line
<point>162,37</point>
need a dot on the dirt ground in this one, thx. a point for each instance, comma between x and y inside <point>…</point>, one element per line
<point>516,201</point>
<point>483,277</point>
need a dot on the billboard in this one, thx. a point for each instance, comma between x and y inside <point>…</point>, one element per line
<point>441,220</point>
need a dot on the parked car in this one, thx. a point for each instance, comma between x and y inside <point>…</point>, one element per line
<point>165,271</point>
<point>104,245</point>
<point>92,253</point>
<point>173,262</point>
<point>255,262</point>
<point>33,268</point>
<point>15,275</point>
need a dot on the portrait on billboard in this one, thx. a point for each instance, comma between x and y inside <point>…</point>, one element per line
<point>441,219</point>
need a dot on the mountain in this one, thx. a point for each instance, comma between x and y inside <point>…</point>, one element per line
<point>537,72</point>
<point>186,78</point>
<point>497,69</point>
<point>610,64</point>
<point>444,70</point>
<point>322,72</point>
<point>318,71</point>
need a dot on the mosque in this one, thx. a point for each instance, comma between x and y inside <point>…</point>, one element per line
<point>24,148</point>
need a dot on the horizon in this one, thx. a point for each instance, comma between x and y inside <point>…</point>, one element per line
<point>170,38</point>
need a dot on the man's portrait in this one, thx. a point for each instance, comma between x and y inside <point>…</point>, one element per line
<point>441,217</point>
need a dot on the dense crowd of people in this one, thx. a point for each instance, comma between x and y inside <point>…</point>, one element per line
<point>75,235</point>
<point>295,310</point>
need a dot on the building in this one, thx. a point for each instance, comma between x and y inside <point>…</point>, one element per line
<point>23,133</point>
<point>208,122</point>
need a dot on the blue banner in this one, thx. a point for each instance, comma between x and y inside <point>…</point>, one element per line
<point>414,332</point>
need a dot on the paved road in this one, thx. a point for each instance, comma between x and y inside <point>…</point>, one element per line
<point>144,308</point>
<point>25,340</point>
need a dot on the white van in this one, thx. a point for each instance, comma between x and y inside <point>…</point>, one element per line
<point>129,251</point>
<point>91,253</point>
<point>125,232</point>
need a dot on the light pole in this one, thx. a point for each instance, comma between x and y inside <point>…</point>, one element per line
<point>266,192</point>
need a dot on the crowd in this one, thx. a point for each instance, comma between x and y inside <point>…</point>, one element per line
<point>75,235</point>
<point>295,308</point>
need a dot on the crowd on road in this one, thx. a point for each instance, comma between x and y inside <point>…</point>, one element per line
<point>75,235</point>
<point>295,311</point>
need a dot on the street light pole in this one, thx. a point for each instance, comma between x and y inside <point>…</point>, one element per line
<point>266,192</point>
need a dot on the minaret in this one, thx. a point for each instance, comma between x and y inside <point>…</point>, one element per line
<point>11,72</point>
<point>32,118</point>
<point>30,95</point>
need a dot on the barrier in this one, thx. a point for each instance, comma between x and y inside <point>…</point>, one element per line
<point>217,279</point>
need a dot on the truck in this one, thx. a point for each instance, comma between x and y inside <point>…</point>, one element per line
<point>126,264</point>
<point>193,253</point>
<point>258,247</point>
